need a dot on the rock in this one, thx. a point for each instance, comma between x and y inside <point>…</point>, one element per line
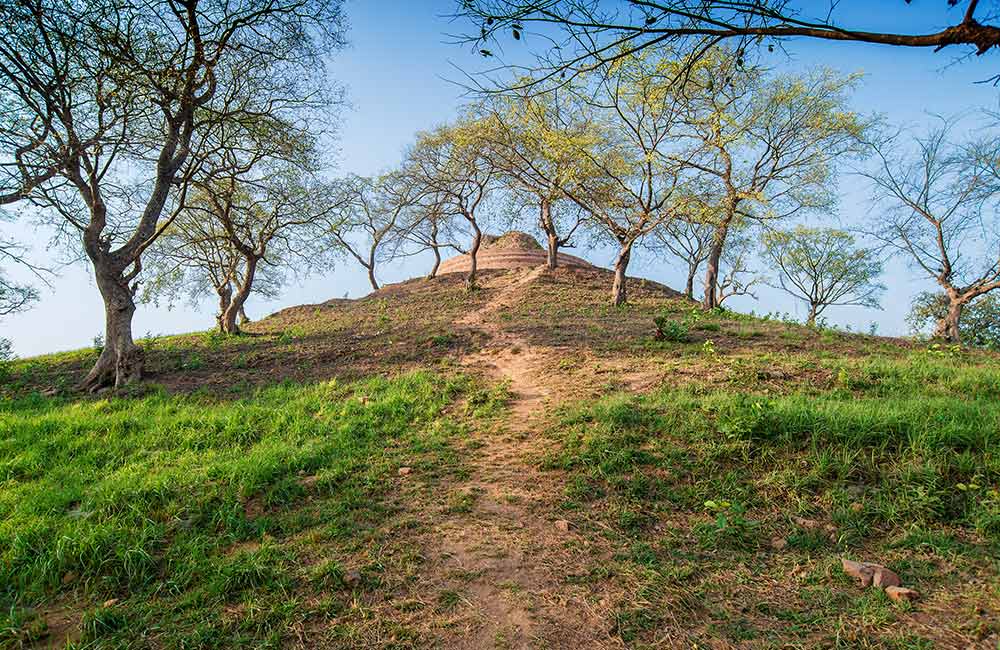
<point>868,573</point>
<point>778,543</point>
<point>863,572</point>
<point>111,602</point>
<point>808,524</point>
<point>901,594</point>
<point>562,524</point>
<point>885,578</point>
<point>352,577</point>
<point>404,471</point>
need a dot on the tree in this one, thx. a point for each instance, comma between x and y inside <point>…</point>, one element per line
<point>535,144</point>
<point>449,162</point>
<point>980,324</point>
<point>594,34</point>
<point>824,267</point>
<point>429,226</point>
<point>765,146</point>
<point>636,187</point>
<point>737,277</point>
<point>689,240</point>
<point>374,209</point>
<point>107,106</point>
<point>15,297</point>
<point>939,209</point>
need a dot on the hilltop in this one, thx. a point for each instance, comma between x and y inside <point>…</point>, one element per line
<point>521,466</point>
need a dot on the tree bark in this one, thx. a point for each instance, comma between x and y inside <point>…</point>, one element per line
<point>225,299</point>
<point>229,324</point>
<point>121,360</point>
<point>711,300</point>
<point>371,277</point>
<point>689,285</point>
<point>437,263</point>
<point>619,292</point>
<point>948,327</point>
<point>545,219</point>
<point>244,319</point>
<point>477,238</point>
<point>811,319</point>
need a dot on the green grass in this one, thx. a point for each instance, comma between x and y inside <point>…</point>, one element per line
<point>184,506</point>
<point>899,462</point>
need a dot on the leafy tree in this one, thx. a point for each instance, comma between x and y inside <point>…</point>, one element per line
<point>536,143</point>
<point>737,276</point>
<point>980,324</point>
<point>939,209</point>
<point>107,107</point>
<point>824,267</point>
<point>450,163</point>
<point>765,147</point>
<point>429,226</point>
<point>585,35</point>
<point>636,187</point>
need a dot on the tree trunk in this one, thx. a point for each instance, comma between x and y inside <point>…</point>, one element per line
<point>477,238</point>
<point>121,360</point>
<point>711,300</point>
<point>619,293</point>
<point>244,319</point>
<point>225,299</point>
<point>948,327</point>
<point>229,324</point>
<point>371,277</point>
<point>689,285</point>
<point>811,319</point>
<point>545,219</point>
<point>437,263</point>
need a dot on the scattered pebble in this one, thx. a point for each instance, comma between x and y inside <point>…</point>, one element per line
<point>901,594</point>
<point>352,577</point>
<point>562,525</point>
<point>404,471</point>
<point>778,543</point>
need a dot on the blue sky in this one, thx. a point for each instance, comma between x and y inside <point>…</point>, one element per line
<point>400,74</point>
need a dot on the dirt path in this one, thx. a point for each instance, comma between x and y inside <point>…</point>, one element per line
<point>504,555</point>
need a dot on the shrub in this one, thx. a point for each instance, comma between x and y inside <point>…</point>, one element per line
<point>668,329</point>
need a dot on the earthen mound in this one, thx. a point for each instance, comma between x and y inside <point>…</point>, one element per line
<point>512,250</point>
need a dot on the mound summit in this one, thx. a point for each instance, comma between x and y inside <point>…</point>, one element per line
<point>511,250</point>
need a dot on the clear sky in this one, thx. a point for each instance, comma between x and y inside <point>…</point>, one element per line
<point>400,74</point>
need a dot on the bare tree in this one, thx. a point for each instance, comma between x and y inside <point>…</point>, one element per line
<point>824,267</point>
<point>737,277</point>
<point>689,240</point>
<point>368,224</point>
<point>430,226</point>
<point>106,105</point>
<point>583,35</point>
<point>939,209</point>
<point>449,162</point>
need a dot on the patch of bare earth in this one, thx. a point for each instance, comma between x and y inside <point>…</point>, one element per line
<point>500,561</point>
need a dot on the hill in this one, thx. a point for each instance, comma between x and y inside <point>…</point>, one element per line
<point>522,466</point>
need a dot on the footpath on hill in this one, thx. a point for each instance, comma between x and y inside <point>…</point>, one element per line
<point>505,550</point>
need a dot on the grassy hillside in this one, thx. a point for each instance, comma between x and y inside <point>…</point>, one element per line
<point>520,467</point>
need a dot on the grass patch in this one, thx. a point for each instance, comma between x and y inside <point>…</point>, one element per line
<point>185,508</point>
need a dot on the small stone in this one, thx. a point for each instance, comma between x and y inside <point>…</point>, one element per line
<point>111,602</point>
<point>863,572</point>
<point>404,471</point>
<point>808,524</point>
<point>901,594</point>
<point>778,543</point>
<point>885,578</point>
<point>69,576</point>
<point>352,577</point>
<point>562,524</point>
